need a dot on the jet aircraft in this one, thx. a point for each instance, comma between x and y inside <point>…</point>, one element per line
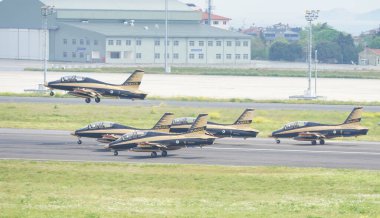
<point>154,142</point>
<point>88,88</point>
<point>106,132</point>
<point>239,129</point>
<point>311,131</point>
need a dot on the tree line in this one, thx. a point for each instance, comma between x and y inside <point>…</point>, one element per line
<point>333,46</point>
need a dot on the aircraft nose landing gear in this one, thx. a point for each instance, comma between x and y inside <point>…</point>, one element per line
<point>153,154</point>
<point>79,141</point>
<point>115,153</point>
<point>278,141</point>
<point>164,153</point>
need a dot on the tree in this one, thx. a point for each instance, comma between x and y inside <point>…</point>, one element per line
<point>281,51</point>
<point>328,52</point>
<point>258,49</point>
<point>374,42</point>
<point>348,49</point>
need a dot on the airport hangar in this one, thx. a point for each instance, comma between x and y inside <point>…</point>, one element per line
<point>116,31</point>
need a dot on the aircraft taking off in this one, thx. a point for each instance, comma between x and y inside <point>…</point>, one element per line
<point>106,132</point>
<point>310,131</point>
<point>240,129</point>
<point>162,142</point>
<point>88,88</point>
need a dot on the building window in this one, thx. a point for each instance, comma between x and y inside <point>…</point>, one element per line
<point>88,42</point>
<point>224,22</point>
<point>138,55</point>
<point>237,56</point>
<point>81,55</point>
<point>228,56</point>
<point>128,42</point>
<point>138,42</point>
<point>215,22</point>
<point>210,43</point>
<point>81,41</point>
<point>191,43</point>
<point>245,56</point>
<point>191,56</point>
<point>115,55</point>
<point>168,43</point>
<point>229,43</point>
<point>65,54</point>
<point>175,56</point>
<point>245,43</point>
<point>157,56</point>
<point>157,42</point>
<point>218,56</point>
<point>176,43</point>
<point>201,43</point>
<point>74,41</point>
<point>201,56</point>
<point>218,43</point>
<point>96,42</point>
<point>110,42</point>
<point>74,55</point>
<point>118,42</point>
<point>65,41</point>
<point>237,43</point>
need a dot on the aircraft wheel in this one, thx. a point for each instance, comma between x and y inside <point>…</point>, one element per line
<point>164,153</point>
<point>88,100</point>
<point>115,153</point>
<point>51,93</point>
<point>278,141</point>
<point>313,142</point>
<point>322,141</point>
<point>97,99</point>
<point>79,141</point>
<point>153,154</point>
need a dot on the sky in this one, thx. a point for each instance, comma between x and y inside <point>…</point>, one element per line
<point>267,12</point>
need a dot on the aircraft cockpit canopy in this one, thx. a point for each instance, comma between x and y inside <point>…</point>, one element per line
<point>294,125</point>
<point>72,79</point>
<point>183,120</point>
<point>133,135</point>
<point>100,125</point>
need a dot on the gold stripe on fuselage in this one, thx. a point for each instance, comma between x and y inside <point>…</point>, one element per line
<point>98,86</point>
<point>322,128</point>
<point>167,137</point>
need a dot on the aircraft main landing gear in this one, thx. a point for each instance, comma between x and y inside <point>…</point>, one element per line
<point>278,141</point>
<point>164,153</point>
<point>115,153</point>
<point>322,141</point>
<point>79,141</point>
<point>314,142</point>
<point>97,99</point>
<point>88,100</point>
<point>51,93</point>
<point>153,154</point>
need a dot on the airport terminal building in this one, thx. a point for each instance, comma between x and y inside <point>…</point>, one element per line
<point>116,31</point>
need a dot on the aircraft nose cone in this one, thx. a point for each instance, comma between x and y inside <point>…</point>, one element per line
<point>107,146</point>
<point>74,133</point>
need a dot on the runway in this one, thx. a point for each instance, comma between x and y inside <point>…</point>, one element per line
<point>149,103</point>
<point>60,145</point>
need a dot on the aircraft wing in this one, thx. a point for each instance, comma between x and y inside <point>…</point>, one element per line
<point>308,136</point>
<point>108,138</point>
<point>86,93</point>
<point>151,145</point>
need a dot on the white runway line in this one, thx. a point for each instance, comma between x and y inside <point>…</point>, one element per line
<point>291,150</point>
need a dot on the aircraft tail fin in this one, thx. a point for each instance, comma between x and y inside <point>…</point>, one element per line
<point>245,118</point>
<point>355,116</point>
<point>134,80</point>
<point>199,125</point>
<point>164,124</point>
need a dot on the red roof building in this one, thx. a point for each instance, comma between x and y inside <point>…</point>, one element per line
<point>216,20</point>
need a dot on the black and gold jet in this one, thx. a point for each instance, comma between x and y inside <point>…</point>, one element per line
<point>310,131</point>
<point>88,88</point>
<point>106,132</point>
<point>154,142</point>
<point>240,129</point>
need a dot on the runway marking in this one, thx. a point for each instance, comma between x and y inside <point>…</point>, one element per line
<point>292,150</point>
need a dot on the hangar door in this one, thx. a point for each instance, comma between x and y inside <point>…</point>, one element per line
<point>22,44</point>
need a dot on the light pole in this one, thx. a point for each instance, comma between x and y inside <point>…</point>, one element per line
<point>310,16</point>
<point>46,11</point>
<point>167,70</point>
<point>316,72</point>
